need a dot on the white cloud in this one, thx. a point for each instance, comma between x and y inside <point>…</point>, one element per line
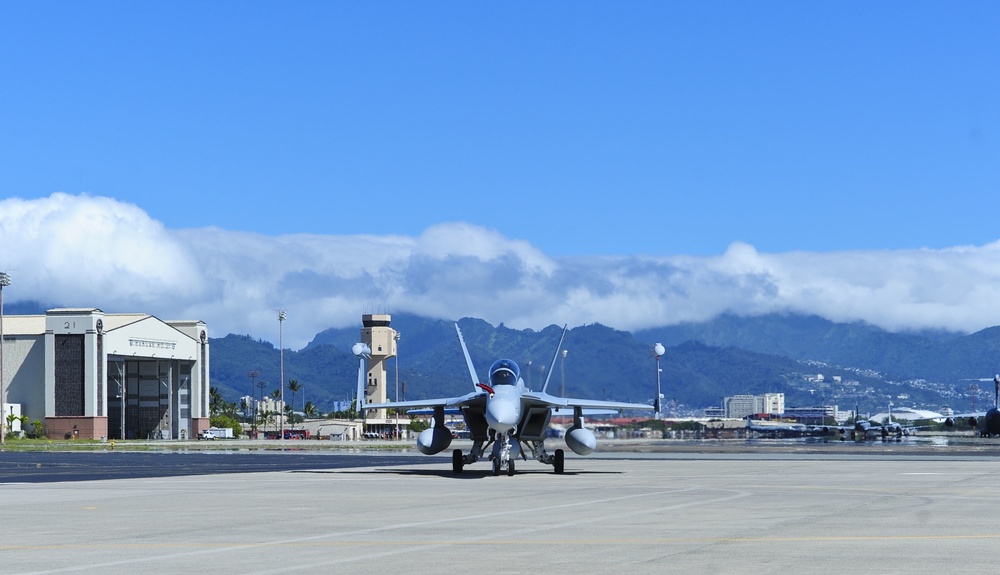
<point>93,251</point>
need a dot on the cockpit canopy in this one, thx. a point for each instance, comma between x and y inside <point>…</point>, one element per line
<point>504,372</point>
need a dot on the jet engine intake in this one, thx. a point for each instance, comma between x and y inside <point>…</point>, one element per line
<point>581,440</point>
<point>433,440</point>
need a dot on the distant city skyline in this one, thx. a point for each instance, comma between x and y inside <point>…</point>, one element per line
<point>561,163</point>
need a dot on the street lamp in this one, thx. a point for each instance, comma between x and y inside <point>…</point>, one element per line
<point>658,350</point>
<point>256,407</point>
<point>396,337</point>
<point>281,368</point>
<point>252,374</point>
<point>4,281</point>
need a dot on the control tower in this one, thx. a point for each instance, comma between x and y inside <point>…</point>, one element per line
<point>381,338</point>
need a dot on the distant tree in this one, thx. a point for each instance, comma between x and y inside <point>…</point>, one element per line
<point>223,421</point>
<point>418,424</point>
<point>310,410</point>
<point>291,416</point>
<point>294,386</point>
<point>215,400</point>
<point>266,418</point>
<point>11,418</point>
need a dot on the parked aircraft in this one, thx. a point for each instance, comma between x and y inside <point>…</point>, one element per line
<point>502,415</point>
<point>778,428</point>
<point>866,429</point>
<point>988,423</point>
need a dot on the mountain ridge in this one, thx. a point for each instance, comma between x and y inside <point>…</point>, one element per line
<point>704,362</point>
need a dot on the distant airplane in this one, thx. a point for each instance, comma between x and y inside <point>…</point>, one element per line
<point>865,429</point>
<point>503,414</point>
<point>987,423</point>
<point>778,428</point>
<point>786,429</point>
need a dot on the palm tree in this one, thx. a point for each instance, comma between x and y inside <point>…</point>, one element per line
<point>294,386</point>
<point>266,417</point>
<point>215,401</point>
<point>290,414</point>
<point>310,410</point>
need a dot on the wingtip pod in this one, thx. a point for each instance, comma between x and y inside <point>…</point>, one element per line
<point>433,440</point>
<point>581,441</point>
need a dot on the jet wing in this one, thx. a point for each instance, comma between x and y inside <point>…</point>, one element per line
<point>963,415</point>
<point>538,398</point>
<point>474,398</point>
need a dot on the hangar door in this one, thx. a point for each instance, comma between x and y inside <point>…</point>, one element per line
<point>149,399</point>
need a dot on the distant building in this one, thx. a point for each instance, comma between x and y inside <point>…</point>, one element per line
<point>741,406</point>
<point>774,403</point>
<point>907,414</point>
<point>342,405</point>
<point>88,374</point>
<point>714,412</point>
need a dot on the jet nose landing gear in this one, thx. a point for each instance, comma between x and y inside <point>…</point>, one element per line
<point>503,456</point>
<point>499,465</point>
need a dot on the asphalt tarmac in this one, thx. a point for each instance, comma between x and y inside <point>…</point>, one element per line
<point>731,511</point>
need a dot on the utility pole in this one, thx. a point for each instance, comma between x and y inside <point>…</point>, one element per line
<point>281,368</point>
<point>4,281</point>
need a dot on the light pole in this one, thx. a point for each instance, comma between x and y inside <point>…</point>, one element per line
<point>281,368</point>
<point>256,406</point>
<point>396,337</point>
<point>252,374</point>
<point>658,350</point>
<point>4,281</point>
<point>562,369</point>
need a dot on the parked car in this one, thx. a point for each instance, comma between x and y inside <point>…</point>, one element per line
<point>207,435</point>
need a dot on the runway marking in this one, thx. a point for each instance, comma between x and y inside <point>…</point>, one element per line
<point>210,547</point>
<point>398,548</point>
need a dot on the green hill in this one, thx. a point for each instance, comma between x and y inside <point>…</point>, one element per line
<point>601,362</point>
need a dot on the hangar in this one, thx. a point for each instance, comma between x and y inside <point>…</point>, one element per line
<point>89,374</point>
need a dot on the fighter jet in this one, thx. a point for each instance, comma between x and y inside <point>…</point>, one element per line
<point>503,415</point>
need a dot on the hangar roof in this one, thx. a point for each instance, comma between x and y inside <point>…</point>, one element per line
<point>35,324</point>
<point>24,325</point>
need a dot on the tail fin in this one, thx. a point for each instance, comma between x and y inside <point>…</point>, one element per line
<point>552,367</point>
<point>468,360</point>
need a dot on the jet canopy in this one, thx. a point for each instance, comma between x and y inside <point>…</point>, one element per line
<point>504,372</point>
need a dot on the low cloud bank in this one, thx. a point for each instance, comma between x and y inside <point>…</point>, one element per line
<point>94,251</point>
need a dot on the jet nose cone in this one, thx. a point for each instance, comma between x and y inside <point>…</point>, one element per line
<point>501,415</point>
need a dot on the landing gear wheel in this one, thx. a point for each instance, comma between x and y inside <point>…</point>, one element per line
<point>510,467</point>
<point>456,461</point>
<point>496,466</point>
<point>559,461</point>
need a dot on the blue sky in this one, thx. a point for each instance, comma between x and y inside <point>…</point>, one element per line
<point>586,132</point>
